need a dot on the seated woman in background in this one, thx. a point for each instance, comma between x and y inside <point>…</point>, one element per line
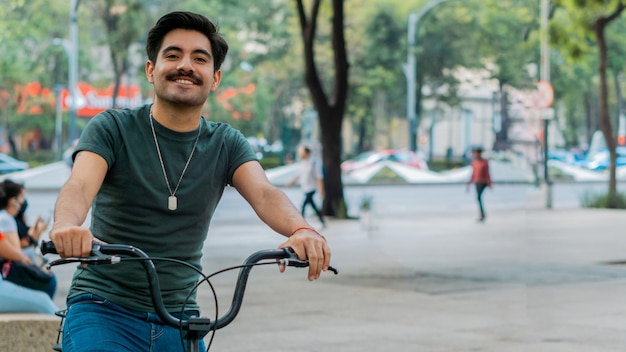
<point>11,201</point>
<point>14,298</point>
<point>30,235</point>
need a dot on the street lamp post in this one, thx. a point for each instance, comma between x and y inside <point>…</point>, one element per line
<point>547,114</point>
<point>71,49</point>
<point>58,127</point>
<point>73,68</point>
<point>410,70</point>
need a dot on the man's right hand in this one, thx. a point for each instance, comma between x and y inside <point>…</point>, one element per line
<point>72,241</point>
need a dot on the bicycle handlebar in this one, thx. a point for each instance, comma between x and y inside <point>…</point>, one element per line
<point>109,254</point>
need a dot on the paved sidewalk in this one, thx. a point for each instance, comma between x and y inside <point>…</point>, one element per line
<point>525,280</point>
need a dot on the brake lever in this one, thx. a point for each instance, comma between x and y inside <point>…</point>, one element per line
<point>94,260</point>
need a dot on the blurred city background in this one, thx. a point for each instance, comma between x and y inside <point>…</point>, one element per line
<point>406,88</point>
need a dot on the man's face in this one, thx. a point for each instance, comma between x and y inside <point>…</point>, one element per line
<point>183,72</point>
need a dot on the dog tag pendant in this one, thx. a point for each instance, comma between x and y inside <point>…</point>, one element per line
<point>172,203</point>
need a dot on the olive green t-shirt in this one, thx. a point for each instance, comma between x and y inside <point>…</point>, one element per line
<point>132,204</point>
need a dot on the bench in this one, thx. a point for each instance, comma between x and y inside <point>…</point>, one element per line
<point>28,332</point>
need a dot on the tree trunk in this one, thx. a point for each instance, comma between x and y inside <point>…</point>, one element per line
<point>501,142</point>
<point>117,80</point>
<point>605,122</point>
<point>619,128</point>
<point>418,113</point>
<point>334,203</point>
<point>330,109</point>
<point>590,126</point>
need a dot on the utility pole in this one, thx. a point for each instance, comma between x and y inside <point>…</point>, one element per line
<point>545,76</point>
<point>73,69</point>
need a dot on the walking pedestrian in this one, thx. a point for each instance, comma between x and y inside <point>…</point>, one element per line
<point>480,177</point>
<point>310,180</point>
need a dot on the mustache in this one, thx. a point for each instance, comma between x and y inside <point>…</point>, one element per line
<point>190,76</point>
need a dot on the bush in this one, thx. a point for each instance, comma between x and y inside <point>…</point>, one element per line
<point>594,200</point>
<point>37,158</point>
<point>444,164</point>
<point>270,161</point>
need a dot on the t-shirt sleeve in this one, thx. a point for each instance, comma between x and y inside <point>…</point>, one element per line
<point>98,137</point>
<point>8,224</point>
<point>239,152</point>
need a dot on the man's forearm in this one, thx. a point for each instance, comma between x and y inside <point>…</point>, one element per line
<point>9,252</point>
<point>279,213</point>
<point>71,207</point>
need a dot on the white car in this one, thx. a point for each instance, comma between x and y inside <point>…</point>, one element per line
<point>9,164</point>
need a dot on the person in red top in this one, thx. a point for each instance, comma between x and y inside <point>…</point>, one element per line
<point>480,177</point>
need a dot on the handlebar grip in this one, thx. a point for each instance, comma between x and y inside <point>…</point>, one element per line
<point>47,247</point>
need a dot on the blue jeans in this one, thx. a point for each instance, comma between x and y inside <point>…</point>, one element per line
<point>480,188</point>
<point>308,199</point>
<point>96,324</point>
<point>14,298</point>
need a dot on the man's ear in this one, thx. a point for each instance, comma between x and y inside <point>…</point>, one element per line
<point>150,71</point>
<point>217,78</point>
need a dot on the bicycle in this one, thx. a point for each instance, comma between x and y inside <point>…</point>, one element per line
<point>195,327</point>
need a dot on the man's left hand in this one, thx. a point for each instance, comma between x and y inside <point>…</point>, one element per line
<point>310,245</point>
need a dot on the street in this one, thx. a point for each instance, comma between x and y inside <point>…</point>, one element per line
<point>424,275</point>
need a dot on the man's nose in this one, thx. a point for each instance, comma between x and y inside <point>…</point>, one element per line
<point>185,64</point>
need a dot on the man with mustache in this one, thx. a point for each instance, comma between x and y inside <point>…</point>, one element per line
<point>154,176</point>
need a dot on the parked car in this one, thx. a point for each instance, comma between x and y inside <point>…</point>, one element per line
<point>600,160</point>
<point>9,164</point>
<point>402,156</point>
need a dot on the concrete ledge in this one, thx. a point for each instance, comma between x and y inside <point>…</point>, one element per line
<point>28,332</point>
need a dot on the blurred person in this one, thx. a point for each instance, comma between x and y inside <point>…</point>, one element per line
<point>30,235</point>
<point>12,199</point>
<point>310,179</point>
<point>481,178</point>
<point>15,298</point>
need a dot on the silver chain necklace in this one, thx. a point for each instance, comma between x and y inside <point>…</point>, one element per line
<point>172,201</point>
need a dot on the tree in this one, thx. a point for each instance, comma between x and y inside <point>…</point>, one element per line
<point>125,23</point>
<point>28,57</point>
<point>508,47</point>
<point>330,107</point>
<point>593,18</point>
<point>599,27</point>
<point>376,75</point>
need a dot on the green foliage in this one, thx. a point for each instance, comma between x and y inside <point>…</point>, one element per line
<point>270,161</point>
<point>575,64</point>
<point>378,73</point>
<point>509,39</point>
<point>366,202</point>
<point>501,35</point>
<point>594,200</point>
<point>387,176</point>
<point>595,18</point>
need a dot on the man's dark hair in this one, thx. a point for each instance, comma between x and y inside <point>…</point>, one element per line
<point>190,21</point>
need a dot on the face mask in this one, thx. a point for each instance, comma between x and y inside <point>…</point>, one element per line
<point>22,210</point>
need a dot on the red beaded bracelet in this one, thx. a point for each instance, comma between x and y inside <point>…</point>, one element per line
<point>307,228</point>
